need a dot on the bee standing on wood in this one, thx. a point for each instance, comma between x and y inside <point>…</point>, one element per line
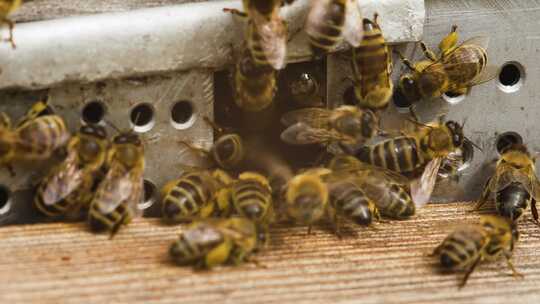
<point>372,66</point>
<point>469,245</point>
<point>251,197</point>
<point>7,7</point>
<point>69,186</point>
<point>330,21</point>
<point>514,183</point>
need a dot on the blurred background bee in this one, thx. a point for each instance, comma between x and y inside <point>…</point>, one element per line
<point>330,21</point>
<point>306,198</point>
<point>471,244</point>
<point>346,125</point>
<point>214,242</point>
<point>118,196</point>
<point>193,195</point>
<point>69,186</point>
<point>456,70</point>
<point>514,184</point>
<point>372,66</point>
<point>35,137</point>
<point>6,8</point>
<point>266,32</point>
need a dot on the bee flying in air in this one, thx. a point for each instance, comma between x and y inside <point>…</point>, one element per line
<point>213,242</point>
<point>372,66</point>
<point>6,8</point>
<point>456,70</point>
<point>193,195</point>
<point>330,21</point>
<point>118,196</point>
<point>69,186</point>
<point>347,125</point>
<point>514,184</point>
<point>266,34</point>
<point>469,245</point>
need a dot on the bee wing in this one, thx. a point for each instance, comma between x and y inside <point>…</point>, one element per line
<point>303,134</point>
<point>481,41</point>
<point>62,181</point>
<point>504,176</point>
<point>318,11</point>
<point>273,35</point>
<point>314,117</point>
<point>489,73</point>
<point>422,187</point>
<point>353,29</point>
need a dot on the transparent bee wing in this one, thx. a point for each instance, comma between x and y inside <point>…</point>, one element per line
<point>314,117</point>
<point>63,181</point>
<point>302,134</point>
<point>481,41</point>
<point>422,187</point>
<point>353,28</point>
<point>273,35</point>
<point>489,73</point>
<point>504,176</point>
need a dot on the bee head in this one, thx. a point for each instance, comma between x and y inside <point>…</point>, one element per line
<point>407,92</point>
<point>456,131</point>
<point>94,130</point>
<point>92,142</point>
<point>127,138</point>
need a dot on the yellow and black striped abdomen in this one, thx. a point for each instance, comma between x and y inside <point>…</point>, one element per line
<point>326,32</point>
<point>396,203</point>
<point>465,64</point>
<point>352,203</point>
<point>184,198</point>
<point>111,221</point>
<point>39,137</point>
<point>401,154</point>
<point>252,200</point>
<point>228,151</point>
<point>48,202</point>
<point>461,248</point>
<point>255,48</point>
<point>254,86</point>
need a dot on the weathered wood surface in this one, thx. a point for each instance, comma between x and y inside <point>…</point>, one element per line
<point>63,263</point>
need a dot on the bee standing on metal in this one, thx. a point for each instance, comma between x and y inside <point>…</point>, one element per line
<point>372,66</point>
<point>330,21</point>
<point>514,184</point>
<point>69,186</point>
<point>118,195</point>
<point>6,8</point>
<point>469,245</point>
<point>193,195</point>
<point>266,32</point>
<point>346,125</point>
<point>456,70</point>
<point>35,137</point>
<point>215,242</point>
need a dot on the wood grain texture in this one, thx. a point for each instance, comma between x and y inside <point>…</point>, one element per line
<point>53,263</point>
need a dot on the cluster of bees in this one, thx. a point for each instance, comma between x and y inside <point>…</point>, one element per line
<point>231,209</point>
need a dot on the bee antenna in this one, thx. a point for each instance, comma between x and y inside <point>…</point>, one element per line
<point>473,144</point>
<point>416,122</point>
<point>212,124</point>
<point>112,126</point>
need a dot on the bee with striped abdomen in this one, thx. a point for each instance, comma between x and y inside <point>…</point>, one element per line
<point>35,137</point>
<point>6,8</point>
<point>330,21</point>
<point>193,195</point>
<point>456,70</point>
<point>514,184</point>
<point>251,197</point>
<point>214,242</point>
<point>372,66</point>
<point>118,196</point>
<point>469,245</point>
<point>69,186</point>
<point>266,34</point>
<point>345,125</point>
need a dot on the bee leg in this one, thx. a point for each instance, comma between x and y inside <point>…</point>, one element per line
<point>515,273</point>
<point>468,273</point>
<point>11,25</point>
<point>412,112</point>
<point>5,121</point>
<point>405,61</point>
<point>309,229</point>
<point>534,211</point>
<point>201,151</point>
<point>436,251</point>
<point>256,262</point>
<point>10,170</point>
<point>117,225</point>
<point>235,12</point>
<point>483,199</point>
<point>427,52</point>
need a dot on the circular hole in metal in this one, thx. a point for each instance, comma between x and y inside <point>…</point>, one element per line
<point>349,97</point>
<point>511,77</point>
<point>453,98</point>
<point>150,192</point>
<point>5,199</point>
<point>93,112</point>
<point>142,117</point>
<point>506,139</point>
<point>182,115</point>
<point>400,101</point>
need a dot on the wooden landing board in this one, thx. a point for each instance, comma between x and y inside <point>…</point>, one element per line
<point>64,263</point>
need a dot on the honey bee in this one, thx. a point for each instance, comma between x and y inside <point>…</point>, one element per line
<point>251,196</point>
<point>33,138</point>
<point>254,86</point>
<point>118,195</point>
<point>330,21</point>
<point>372,66</point>
<point>307,196</point>
<point>193,195</point>
<point>213,242</point>
<point>471,244</point>
<point>514,183</point>
<point>6,8</point>
<point>346,125</point>
<point>266,32</point>
<point>456,70</point>
<point>68,186</point>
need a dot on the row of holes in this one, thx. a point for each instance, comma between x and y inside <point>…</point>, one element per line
<point>142,116</point>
